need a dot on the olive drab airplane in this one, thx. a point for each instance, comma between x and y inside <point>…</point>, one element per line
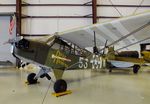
<point>68,49</point>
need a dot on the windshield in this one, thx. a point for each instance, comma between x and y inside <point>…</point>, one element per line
<point>68,47</point>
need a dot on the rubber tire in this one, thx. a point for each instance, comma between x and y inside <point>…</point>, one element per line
<point>136,69</point>
<point>60,86</point>
<point>110,70</point>
<point>31,79</point>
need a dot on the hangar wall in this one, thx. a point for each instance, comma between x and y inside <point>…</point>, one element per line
<point>4,36</point>
<point>4,33</point>
<point>52,25</point>
<point>4,9</point>
<point>111,11</point>
<point>40,26</point>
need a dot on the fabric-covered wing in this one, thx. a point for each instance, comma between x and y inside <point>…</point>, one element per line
<point>111,31</point>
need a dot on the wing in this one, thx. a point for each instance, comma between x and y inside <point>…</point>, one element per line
<point>122,31</point>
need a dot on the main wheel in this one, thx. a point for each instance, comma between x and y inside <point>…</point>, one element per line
<point>60,86</point>
<point>31,78</point>
<point>136,69</point>
<point>110,70</point>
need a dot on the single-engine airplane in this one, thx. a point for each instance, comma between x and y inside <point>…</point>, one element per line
<point>67,50</point>
<point>128,58</point>
<point>123,59</point>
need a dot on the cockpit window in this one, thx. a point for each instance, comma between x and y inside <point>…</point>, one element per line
<point>147,47</point>
<point>68,47</point>
<point>56,46</point>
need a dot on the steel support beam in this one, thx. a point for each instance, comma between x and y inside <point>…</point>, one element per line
<point>18,17</point>
<point>34,35</point>
<point>24,17</point>
<point>94,18</point>
<point>18,25</point>
<point>98,5</point>
<point>94,11</point>
<point>101,5</point>
<point>7,14</point>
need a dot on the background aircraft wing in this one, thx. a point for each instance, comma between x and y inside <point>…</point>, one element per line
<point>122,32</point>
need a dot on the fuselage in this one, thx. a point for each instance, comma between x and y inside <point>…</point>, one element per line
<point>57,54</point>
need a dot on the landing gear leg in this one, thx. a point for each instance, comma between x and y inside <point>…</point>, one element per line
<point>24,64</point>
<point>60,85</point>
<point>32,77</point>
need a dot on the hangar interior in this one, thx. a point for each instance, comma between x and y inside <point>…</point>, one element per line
<point>34,19</point>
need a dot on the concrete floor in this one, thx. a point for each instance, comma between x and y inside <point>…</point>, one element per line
<point>88,87</point>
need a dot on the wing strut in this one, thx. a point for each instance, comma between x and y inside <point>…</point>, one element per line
<point>105,47</point>
<point>133,43</point>
<point>95,49</point>
<point>124,37</point>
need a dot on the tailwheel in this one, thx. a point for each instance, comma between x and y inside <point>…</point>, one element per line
<point>31,78</point>
<point>136,69</point>
<point>60,86</point>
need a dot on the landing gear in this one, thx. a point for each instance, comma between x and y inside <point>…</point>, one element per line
<point>60,86</point>
<point>109,66</point>
<point>136,69</point>
<point>24,64</point>
<point>110,70</point>
<point>31,78</point>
